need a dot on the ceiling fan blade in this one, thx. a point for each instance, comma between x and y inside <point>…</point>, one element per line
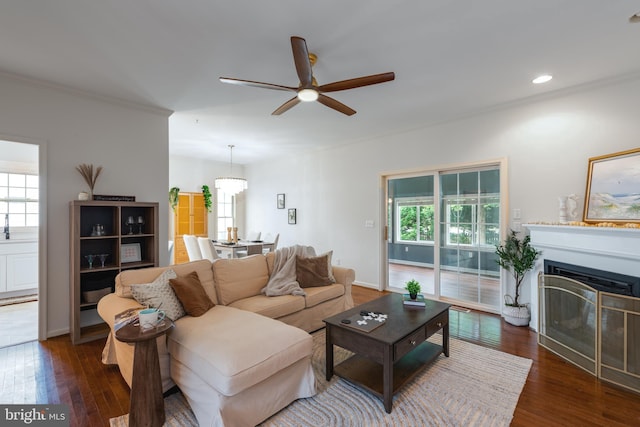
<point>336,105</point>
<point>286,106</point>
<point>302,61</point>
<point>357,82</point>
<point>257,84</point>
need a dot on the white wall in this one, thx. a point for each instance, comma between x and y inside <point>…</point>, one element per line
<point>547,144</point>
<point>189,175</point>
<point>130,143</point>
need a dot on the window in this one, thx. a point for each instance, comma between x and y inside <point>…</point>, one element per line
<point>224,210</point>
<point>415,220</point>
<point>473,221</point>
<point>19,195</point>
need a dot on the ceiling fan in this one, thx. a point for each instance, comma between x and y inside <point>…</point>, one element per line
<point>308,90</point>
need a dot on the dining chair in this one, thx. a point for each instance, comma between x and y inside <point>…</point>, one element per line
<point>207,249</point>
<point>270,238</point>
<point>251,250</point>
<point>191,244</point>
<point>252,236</point>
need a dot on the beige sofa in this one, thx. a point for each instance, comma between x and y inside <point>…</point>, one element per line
<point>248,356</point>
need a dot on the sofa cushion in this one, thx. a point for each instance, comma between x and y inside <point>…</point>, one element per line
<point>159,294</point>
<point>191,294</point>
<point>146,275</point>
<point>321,294</point>
<point>273,307</point>
<point>233,349</point>
<point>239,278</point>
<point>312,271</point>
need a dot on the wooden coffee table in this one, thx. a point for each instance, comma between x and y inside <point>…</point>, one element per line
<point>389,356</point>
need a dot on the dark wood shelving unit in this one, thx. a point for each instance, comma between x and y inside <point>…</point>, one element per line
<point>85,216</point>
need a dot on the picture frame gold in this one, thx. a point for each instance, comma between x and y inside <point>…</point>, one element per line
<point>613,188</point>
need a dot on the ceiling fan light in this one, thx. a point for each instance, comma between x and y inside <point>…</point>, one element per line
<point>542,79</point>
<point>307,95</point>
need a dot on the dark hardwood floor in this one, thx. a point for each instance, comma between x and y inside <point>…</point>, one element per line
<point>556,393</point>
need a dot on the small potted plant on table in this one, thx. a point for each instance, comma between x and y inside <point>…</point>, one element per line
<point>517,257</point>
<point>413,287</point>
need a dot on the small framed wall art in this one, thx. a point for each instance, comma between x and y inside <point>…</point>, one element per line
<point>280,201</point>
<point>292,216</point>
<point>130,252</point>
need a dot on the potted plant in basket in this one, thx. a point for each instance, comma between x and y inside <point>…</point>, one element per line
<point>413,287</point>
<point>517,257</point>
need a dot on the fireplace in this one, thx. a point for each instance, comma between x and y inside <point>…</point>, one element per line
<point>587,299</point>
<point>605,281</point>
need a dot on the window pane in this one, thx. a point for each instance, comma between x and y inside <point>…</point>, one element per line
<point>4,179</point>
<point>32,193</point>
<point>16,208</point>
<point>469,183</point>
<point>16,180</point>
<point>16,193</point>
<point>32,220</point>
<point>4,207</point>
<point>4,192</point>
<point>32,207</point>
<point>16,220</point>
<point>32,181</point>
<point>490,182</point>
<point>449,184</point>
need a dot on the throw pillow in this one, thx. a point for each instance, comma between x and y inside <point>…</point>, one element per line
<point>159,294</point>
<point>329,266</point>
<point>191,294</point>
<point>312,272</point>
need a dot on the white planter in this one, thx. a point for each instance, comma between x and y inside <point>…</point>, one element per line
<point>518,316</point>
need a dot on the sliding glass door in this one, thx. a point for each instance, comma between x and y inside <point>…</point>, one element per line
<point>469,231</point>
<point>411,232</point>
<point>442,228</point>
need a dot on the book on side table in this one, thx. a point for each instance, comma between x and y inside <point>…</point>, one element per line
<point>418,302</point>
<point>124,318</point>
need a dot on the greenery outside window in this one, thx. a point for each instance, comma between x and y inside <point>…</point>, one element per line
<point>19,197</point>
<point>415,220</point>
<point>473,221</point>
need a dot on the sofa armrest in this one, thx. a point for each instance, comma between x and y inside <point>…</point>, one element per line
<point>345,276</point>
<point>112,304</point>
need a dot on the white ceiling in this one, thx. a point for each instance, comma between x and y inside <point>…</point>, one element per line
<point>452,58</point>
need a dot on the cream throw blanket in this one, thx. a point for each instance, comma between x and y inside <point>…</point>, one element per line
<point>283,276</point>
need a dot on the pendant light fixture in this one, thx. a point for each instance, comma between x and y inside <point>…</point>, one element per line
<point>229,184</point>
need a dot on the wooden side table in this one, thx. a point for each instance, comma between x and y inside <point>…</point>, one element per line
<point>146,406</point>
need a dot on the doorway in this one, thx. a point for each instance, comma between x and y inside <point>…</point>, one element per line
<point>19,241</point>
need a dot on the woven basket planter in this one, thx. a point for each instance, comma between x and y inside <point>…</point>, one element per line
<point>518,316</point>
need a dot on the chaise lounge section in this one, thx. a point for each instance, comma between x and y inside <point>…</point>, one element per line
<point>249,355</point>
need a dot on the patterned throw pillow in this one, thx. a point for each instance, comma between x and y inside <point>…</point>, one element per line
<point>191,294</point>
<point>159,294</point>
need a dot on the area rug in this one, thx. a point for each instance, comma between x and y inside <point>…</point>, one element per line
<point>476,386</point>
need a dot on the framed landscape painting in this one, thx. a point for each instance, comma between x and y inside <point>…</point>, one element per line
<point>613,188</point>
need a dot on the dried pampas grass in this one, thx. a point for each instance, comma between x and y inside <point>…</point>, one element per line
<point>87,173</point>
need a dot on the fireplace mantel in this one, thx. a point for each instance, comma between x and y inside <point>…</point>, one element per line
<point>615,249</point>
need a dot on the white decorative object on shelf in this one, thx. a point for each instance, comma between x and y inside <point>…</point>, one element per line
<point>563,209</point>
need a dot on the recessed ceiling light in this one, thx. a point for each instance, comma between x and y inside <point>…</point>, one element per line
<point>542,79</point>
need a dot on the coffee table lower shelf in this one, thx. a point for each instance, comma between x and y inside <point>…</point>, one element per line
<point>369,374</point>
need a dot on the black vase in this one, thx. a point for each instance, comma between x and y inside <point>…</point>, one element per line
<point>413,295</point>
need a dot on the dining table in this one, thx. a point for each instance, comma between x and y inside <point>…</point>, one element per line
<point>231,249</point>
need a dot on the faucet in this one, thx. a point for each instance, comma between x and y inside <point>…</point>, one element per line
<point>6,226</point>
